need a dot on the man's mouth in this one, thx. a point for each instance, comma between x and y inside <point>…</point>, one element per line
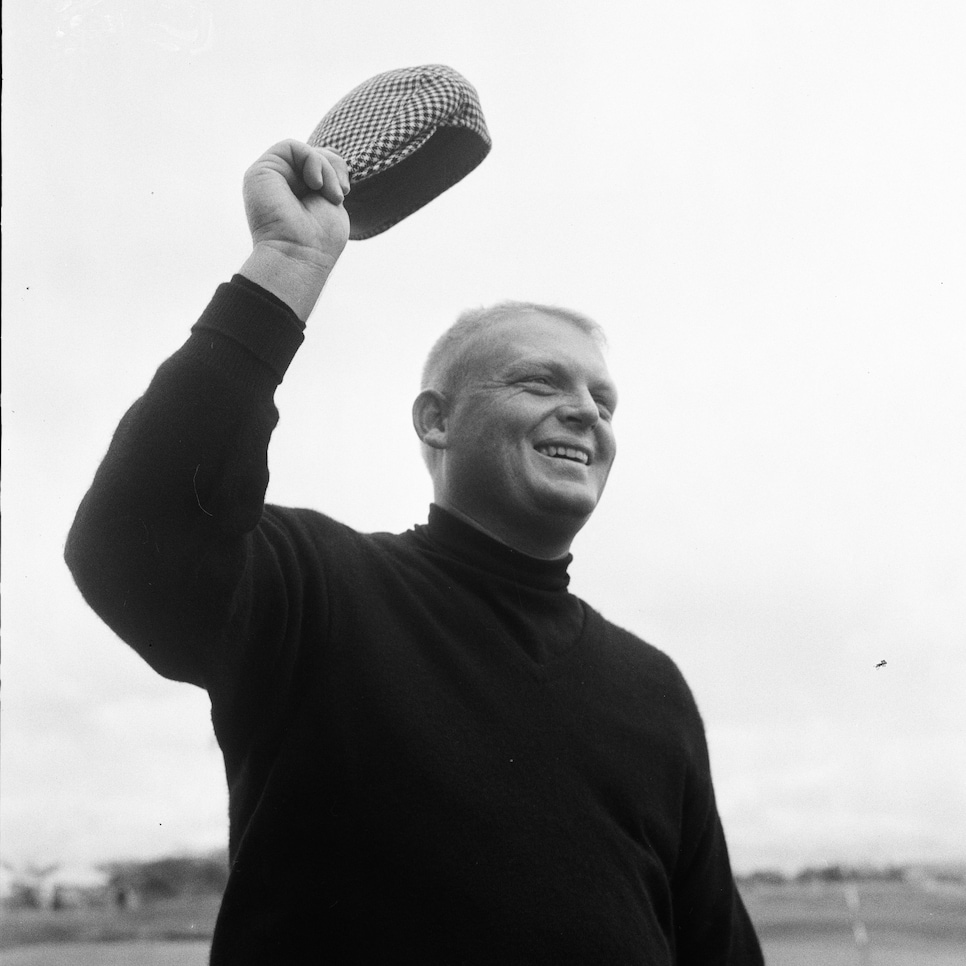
<point>565,453</point>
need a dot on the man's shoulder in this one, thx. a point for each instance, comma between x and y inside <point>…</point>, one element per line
<point>331,536</point>
<point>626,639</point>
<point>636,656</point>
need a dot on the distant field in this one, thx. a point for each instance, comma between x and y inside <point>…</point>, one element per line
<point>178,920</point>
<point>813,952</point>
<point>901,925</point>
<point>798,925</point>
<point>818,952</point>
<point>108,954</point>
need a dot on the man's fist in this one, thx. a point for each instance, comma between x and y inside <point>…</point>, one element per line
<point>293,199</point>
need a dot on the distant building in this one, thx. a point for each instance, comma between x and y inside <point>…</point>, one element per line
<point>10,887</point>
<point>55,887</point>
<point>76,887</point>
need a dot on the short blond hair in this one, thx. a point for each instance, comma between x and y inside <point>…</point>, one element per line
<point>447,364</point>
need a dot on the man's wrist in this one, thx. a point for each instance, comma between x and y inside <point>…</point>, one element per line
<point>297,282</point>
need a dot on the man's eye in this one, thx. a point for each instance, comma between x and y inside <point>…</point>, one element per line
<point>538,380</point>
<point>606,411</point>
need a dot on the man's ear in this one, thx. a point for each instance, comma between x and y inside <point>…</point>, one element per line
<point>431,418</point>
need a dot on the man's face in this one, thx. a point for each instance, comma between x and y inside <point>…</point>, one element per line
<point>530,439</point>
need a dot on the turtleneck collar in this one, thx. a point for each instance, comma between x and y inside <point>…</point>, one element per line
<point>483,552</point>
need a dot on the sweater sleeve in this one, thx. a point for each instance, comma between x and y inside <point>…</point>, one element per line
<point>712,926</point>
<point>168,545</point>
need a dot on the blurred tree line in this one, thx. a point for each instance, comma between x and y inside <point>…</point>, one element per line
<point>169,878</point>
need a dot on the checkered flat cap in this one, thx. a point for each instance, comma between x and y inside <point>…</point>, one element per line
<point>406,136</point>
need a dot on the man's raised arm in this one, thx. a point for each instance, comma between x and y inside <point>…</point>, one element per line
<point>164,545</point>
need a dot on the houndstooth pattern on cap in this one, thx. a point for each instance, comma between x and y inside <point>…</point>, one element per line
<point>391,115</point>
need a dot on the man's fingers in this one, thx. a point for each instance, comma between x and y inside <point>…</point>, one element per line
<point>333,188</point>
<point>325,172</point>
<point>339,166</point>
<point>305,167</point>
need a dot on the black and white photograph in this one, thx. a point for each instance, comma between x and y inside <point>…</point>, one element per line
<point>483,483</point>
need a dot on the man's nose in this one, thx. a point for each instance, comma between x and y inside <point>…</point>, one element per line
<point>581,408</point>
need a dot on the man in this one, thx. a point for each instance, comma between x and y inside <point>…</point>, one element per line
<point>435,753</point>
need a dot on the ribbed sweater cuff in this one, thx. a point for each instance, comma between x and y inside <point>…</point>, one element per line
<point>255,319</point>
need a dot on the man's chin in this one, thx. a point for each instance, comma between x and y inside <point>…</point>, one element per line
<point>569,503</point>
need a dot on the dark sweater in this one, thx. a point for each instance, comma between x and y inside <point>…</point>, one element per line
<point>435,753</point>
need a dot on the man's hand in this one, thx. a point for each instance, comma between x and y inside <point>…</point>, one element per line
<point>293,200</point>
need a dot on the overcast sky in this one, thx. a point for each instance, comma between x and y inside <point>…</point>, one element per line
<point>762,202</point>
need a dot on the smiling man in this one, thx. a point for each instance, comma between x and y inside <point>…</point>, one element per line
<point>435,753</point>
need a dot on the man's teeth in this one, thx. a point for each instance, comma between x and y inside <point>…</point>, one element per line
<point>564,452</point>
